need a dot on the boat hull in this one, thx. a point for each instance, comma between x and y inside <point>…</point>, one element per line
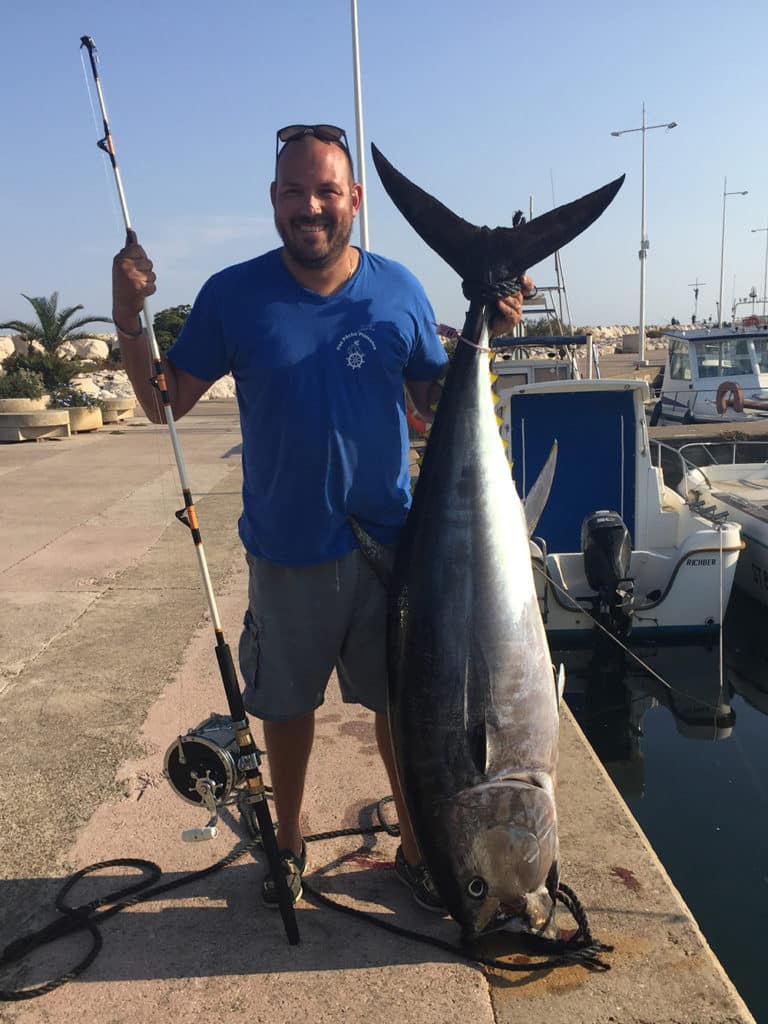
<point>677,593</point>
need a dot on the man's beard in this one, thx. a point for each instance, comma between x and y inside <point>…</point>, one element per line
<point>300,252</point>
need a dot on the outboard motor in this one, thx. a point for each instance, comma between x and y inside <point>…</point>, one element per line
<point>607,550</point>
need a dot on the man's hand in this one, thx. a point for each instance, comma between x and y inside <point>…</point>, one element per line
<point>509,311</point>
<point>132,281</point>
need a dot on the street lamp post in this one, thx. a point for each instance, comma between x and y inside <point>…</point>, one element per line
<point>643,254</point>
<point>722,249</point>
<point>765,271</point>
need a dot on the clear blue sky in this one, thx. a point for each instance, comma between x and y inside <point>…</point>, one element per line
<point>484,104</point>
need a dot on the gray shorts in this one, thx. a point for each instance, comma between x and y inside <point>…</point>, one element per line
<point>300,624</point>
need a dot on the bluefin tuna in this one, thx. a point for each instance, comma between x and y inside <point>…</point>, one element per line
<point>473,701</point>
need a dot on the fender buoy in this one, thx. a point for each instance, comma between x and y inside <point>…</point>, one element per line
<point>736,400</point>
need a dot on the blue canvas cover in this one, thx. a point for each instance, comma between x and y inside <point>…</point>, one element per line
<point>595,461</point>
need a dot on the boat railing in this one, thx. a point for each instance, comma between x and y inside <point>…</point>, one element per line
<point>564,344</point>
<point>677,471</point>
<point>724,453</point>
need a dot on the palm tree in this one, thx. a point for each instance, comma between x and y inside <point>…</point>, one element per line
<point>52,328</point>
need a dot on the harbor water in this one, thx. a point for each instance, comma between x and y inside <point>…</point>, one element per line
<point>683,733</point>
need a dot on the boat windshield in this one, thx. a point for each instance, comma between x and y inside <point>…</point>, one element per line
<point>679,360</point>
<point>726,357</point>
<point>761,353</point>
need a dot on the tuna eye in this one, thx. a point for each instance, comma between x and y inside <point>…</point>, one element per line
<point>477,888</point>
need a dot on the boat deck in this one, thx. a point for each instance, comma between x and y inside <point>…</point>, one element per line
<point>734,497</point>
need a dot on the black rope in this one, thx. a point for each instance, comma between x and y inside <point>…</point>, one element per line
<point>564,953</point>
<point>489,294</point>
<point>581,948</point>
<point>88,916</point>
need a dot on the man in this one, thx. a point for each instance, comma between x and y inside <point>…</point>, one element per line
<point>320,337</point>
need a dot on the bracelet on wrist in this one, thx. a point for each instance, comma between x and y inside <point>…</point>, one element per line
<point>129,334</point>
<point>531,295</point>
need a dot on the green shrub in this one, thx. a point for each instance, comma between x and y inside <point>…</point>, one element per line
<point>543,326</point>
<point>167,324</point>
<point>72,398</point>
<point>56,372</point>
<point>21,384</point>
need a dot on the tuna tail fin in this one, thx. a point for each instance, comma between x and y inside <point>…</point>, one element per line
<point>484,256</point>
<point>538,496</point>
<point>379,557</point>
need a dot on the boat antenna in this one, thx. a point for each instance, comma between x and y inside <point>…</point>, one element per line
<point>696,285</point>
<point>248,762</point>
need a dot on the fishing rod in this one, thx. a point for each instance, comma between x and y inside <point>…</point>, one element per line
<point>219,758</point>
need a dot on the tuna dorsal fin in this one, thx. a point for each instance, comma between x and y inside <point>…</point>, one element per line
<point>378,556</point>
<point>482,255</point>
<point>538,496</point>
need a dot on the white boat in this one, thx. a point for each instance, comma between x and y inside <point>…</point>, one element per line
<point>523,360</point>
<point>536,359</point>
<point>732,478</point>
<point>614,543</point>
<point>714,376</point>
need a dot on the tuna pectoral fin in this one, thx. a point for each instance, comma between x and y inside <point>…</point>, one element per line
<point>559,682</point>
<point>379,557</point>
<point>538,496</point>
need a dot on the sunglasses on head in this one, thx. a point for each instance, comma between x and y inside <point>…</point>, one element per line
<point>324,132</point>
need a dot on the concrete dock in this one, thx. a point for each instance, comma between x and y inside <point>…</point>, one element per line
<point>106,655</point>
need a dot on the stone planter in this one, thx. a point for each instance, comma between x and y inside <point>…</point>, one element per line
<point>34,425</point>
<point>22,405</point>
<point>82,418</point>
<point>117,409</point>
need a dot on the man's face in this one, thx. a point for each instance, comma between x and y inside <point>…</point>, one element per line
<point>315,201</point>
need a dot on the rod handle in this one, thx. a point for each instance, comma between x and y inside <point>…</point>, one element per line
<point>199,835</point>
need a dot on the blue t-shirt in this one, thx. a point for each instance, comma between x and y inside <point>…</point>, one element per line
<point>320,389</point>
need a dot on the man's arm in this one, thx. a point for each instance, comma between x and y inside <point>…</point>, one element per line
<point>133,280</point>
<point>184,390</point>
<point>424,394</point>
<point>509,312</point>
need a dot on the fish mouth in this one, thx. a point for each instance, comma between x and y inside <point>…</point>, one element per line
<point>533,914</point>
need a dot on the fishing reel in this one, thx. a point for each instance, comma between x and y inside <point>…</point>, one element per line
<point>203,768</point>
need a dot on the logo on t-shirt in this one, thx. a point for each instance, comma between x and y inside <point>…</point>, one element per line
<point>353,347</point>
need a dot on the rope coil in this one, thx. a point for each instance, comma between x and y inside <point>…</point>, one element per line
<point>581,948</point>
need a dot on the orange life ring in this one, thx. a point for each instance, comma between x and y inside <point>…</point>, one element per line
<point>736,401</point>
